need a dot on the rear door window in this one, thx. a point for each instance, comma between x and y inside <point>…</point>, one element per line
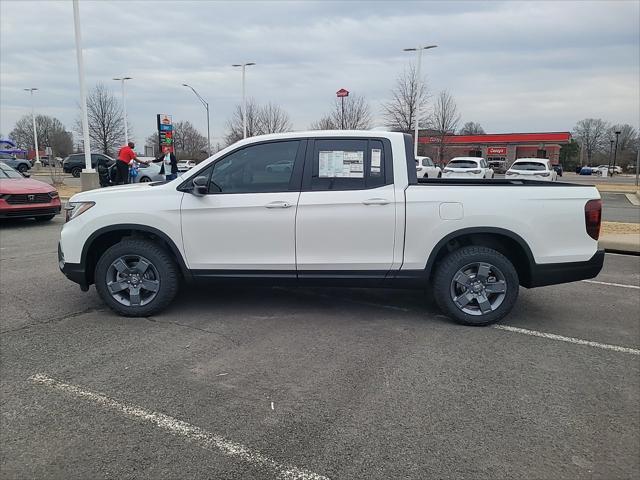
<point>348,164</point>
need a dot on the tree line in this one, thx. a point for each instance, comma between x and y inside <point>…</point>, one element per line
<point>437,114</point>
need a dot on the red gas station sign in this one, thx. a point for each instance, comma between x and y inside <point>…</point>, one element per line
<point>343,92</point>
<point>496,150</point>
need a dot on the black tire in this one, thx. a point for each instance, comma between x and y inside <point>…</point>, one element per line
<point>45,218</point>
<point>145,180</point>
<point>444,286</point>
<point>160,261</point>
<point>439,174</point>
<point>75,171</point>
<point>22,168</point>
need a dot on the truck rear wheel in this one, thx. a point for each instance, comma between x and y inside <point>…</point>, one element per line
<point>136,278</point>
<point>476,286</point>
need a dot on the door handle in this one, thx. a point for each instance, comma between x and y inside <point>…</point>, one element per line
<point>376,201</point>
<point>278,205</point>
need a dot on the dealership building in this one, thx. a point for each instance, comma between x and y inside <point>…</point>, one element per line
<point>496,148</point>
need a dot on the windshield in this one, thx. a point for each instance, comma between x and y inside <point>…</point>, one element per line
<point>537,166</point>
<point>426,162</point>
<point>7,172</point>
<point>462,164</point>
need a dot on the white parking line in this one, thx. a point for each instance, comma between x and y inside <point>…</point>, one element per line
<point>578,341</point>
<point>203,438</point>
<point>622,285</point>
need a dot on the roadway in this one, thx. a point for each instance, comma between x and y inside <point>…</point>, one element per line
<point>313,383</point>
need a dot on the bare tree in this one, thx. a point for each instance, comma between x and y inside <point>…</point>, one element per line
<point>399,112</point>
<point>234,124</point>
<point>51,133</point>
<point>357,115</point>
<point>472,128</point>
<point>592,134</point>
<point>273,119</point>
<point>106,126</point>
<point>188,142</point>
<point>444,120</point>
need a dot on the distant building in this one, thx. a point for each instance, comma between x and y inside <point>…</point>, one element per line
<point>497,148</point>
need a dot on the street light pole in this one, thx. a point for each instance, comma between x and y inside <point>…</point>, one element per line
<point>244,98</point>
<point>83,90</point>
<point>610,155</point>
<point>615,153</point>
<point>35,130</point>
<point>420,83</point>
<point>124,108</point>
<point>206,106</point>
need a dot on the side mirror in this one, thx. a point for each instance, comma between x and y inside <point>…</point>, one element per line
<point>200,186</point>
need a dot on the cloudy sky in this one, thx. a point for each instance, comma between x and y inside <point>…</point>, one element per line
<point>512,66</point>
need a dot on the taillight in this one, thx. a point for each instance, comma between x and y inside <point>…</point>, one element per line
<point>593,217</point>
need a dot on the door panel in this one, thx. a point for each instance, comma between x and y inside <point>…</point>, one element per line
<point>247,220</point>
<point>347,210</point>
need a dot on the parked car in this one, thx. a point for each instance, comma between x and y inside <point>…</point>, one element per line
<point>532,169</point>
<point>22,197</point>
<point>586,170</point>
<point>498,166</point>
<point>148,173</point>
<point>332,220</point>
<point>185,165</point>
<point>425,168</point>
<point>558,169</point>
<point>20,164</point>
<point>467,167</point>
<point>280,166</point>
<point>600,169</point>
<point>74,164</point>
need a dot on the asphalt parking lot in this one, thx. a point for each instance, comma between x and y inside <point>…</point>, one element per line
<point>313,383</point>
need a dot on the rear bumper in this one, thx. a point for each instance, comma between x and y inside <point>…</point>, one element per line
<point>554,273</point>
<point>73,271</point>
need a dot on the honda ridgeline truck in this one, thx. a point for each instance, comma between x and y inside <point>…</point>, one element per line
<point>335,208</point>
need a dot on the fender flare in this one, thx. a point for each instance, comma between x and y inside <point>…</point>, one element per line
<point>478,230</point>
<point>133,227</point>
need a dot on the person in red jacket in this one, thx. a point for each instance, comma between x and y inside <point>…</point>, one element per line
<point>126,156</point>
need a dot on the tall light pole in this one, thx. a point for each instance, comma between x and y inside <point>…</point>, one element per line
<point>418,51</point>
<point>35,131</point>
<point>83,90</point>
<point>615,152</point>
<point>206,106</point>
<point>124,108</point>
<point>244,98</point>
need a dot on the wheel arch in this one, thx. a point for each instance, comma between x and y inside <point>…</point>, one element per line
<point>508,243</point>
<point>106,237</point>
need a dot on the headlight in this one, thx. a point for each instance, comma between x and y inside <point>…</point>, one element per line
<point>75,209</point>
<point>53,194</point>
<point>447,170</point>
<point>509,172</point>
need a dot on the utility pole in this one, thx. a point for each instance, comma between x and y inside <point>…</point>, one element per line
<point>615,153</point>
<point>35,130</point>
<point>420,86</point>
<point>124,108</point>
<point>206,106</point>
<point>244,98</point>
<point>88,177</point>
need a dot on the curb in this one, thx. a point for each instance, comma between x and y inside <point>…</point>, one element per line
<point>620,243</point>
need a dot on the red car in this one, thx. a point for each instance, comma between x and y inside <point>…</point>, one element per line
<point>22,197</point>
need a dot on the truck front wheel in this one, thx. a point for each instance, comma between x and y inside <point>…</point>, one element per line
<point>476,286</point>
<point>136,278</point>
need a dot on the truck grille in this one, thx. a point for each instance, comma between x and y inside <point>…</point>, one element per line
<point>26,198</point>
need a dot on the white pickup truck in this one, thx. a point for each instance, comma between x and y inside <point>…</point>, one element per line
<point>349,212</point>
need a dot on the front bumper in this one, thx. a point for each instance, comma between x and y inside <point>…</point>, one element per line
<point>73,271</point>
<point>555,273</point>
<point>26,210</point>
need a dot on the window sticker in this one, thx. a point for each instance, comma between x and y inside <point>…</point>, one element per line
<point>341,164</point>
<point>376,157</point>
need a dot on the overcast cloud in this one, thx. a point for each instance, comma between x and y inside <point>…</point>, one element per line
<point>512,66</point>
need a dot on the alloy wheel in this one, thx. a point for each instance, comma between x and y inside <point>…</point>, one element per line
<point>478,288</point>
<point>132,280</point>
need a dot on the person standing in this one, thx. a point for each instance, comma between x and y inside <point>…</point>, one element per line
<point>169,165</point>
<point>126,156</point>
